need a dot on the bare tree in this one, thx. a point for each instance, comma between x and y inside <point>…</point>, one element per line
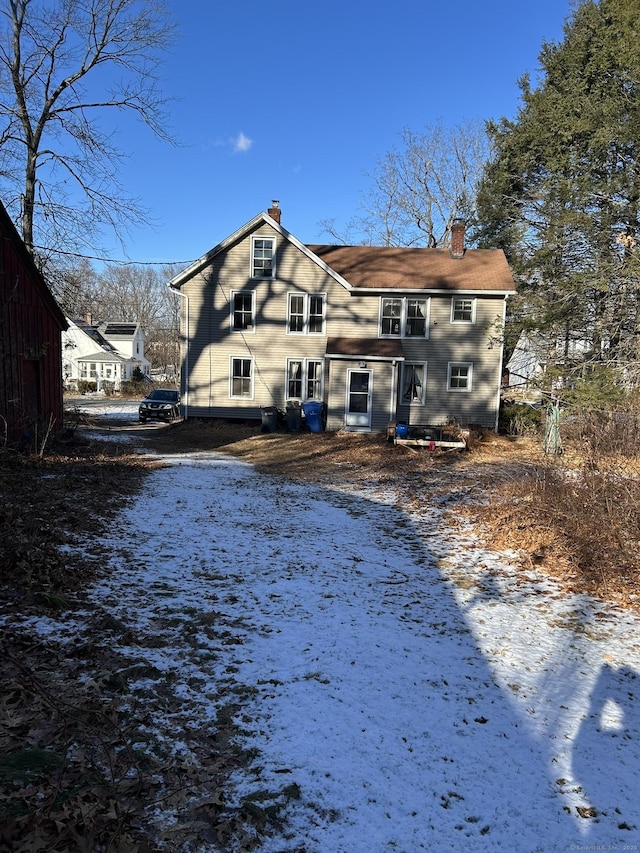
<point>419,189</point>
<point>62,64</point>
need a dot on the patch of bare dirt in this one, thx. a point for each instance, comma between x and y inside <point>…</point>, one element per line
<point>343,456</point>
<point>69,779</point>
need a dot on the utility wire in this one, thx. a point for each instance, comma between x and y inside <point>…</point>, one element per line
<point>113,260</point>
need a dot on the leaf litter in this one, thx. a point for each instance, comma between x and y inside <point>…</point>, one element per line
<point>336,664</point>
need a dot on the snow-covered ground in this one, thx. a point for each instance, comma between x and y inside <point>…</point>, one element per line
<point>402,688</point>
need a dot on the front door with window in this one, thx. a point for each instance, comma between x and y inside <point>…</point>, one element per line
<point>358,409</point>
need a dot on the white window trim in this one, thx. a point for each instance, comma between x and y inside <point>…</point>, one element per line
<point>473,301</point>
<point>423,401</point>
<point>305,377</point>
<point>305,315</point>
<point>233,396</point>
<point>234,293</point>
<point>469,365</point>
<point>272,240</point>
<point>404,310</point>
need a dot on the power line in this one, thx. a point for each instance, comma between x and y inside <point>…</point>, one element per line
<point>113,260</point>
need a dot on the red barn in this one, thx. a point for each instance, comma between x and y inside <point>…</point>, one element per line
<point>31,323</point>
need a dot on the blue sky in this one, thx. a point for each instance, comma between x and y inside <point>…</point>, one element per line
<point>297,101</point>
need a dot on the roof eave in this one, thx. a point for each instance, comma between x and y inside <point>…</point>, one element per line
<point>433,290</point>
<point>363,357</point>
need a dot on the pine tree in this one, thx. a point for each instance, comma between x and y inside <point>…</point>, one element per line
<point>562,193</point>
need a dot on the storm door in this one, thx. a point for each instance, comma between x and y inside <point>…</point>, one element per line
<point>358,409</point>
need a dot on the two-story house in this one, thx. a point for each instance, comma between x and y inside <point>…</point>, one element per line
<point>106,354</point>
<point>377,334</point>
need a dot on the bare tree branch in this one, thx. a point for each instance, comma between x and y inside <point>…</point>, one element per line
<point>63,65</point>
<point>418,189</point>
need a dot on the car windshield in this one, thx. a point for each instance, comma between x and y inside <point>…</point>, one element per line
<point>163,394</point>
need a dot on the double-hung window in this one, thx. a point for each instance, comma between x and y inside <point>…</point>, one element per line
<point>304,379</point>
<point>391,317</point>
<point>306,313</point>
<point>459,376</point>
<point>263,260</point>
<point>414,383</point>
<point>463,310</point>
<point>242,311</point>
<point>241,378</point>
<point>404,317</point>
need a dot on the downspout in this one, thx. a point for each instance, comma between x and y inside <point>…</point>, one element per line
<point>504,320</point>
<point>393,408</point>
<point>185,370</point>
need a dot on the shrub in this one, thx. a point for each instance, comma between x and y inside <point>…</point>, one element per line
<point>519,419</point>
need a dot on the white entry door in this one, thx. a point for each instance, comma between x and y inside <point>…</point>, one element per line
<point>358,408</point>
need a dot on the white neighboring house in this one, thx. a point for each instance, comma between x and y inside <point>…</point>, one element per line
<point>106,354</point>
<point>527,363</point>
<point>534,353</point>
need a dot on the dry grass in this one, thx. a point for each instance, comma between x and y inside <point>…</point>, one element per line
<point>68,779</point>
<point>577,515</point>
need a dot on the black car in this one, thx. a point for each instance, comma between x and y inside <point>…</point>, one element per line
<point>162,404</point>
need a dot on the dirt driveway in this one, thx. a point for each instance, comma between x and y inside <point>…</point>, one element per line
<point>314,662</point>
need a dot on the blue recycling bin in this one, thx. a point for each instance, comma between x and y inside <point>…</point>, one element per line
<point>313,415</point>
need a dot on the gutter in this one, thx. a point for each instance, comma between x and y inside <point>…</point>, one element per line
<point>393,407</point>
<point>184,377</point>
<point>499,395</point>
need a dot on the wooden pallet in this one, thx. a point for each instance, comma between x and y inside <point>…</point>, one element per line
<point>433,438</point>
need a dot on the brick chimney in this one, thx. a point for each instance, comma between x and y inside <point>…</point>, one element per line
<point>274,211</point>
<point>457,238</point>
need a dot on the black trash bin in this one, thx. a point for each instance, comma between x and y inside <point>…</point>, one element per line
<point>269,418</point>
<point>294,416</point>
<point>313,415</point>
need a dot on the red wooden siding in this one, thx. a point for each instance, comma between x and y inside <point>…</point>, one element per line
<point>30,343</point>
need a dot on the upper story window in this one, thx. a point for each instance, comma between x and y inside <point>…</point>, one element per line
<point>242,311</point>
<point>463,310</point>
<point>306,313</point>
<point>459,376</point>
<point>263,261</point>
<point>404,317</point>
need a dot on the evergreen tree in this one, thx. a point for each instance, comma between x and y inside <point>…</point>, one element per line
<point>562,193</point>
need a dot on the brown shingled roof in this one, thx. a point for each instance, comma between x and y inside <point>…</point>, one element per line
<point>391,268</point>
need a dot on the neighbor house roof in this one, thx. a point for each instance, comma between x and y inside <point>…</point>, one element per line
<point>118,330</point>
<point>391,268</point>
<point>92,332</point>
<point>105,357</point>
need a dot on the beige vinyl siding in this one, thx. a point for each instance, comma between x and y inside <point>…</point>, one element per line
<point>382,379</point>
<point>476,343</point>
<point>268,344</point>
